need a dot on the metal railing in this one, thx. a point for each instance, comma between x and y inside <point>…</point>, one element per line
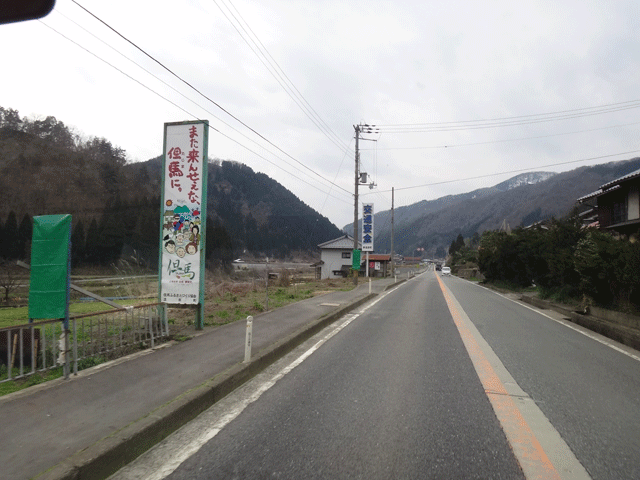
<point>40,346</point>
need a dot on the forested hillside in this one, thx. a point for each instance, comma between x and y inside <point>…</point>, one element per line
<point>433,224</point>
<point>46,168</point>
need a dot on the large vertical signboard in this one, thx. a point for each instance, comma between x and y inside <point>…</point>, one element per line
<point>183,213</point>
<point>367,227</point>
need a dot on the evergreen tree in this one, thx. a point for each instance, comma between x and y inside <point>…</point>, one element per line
<point>10,237</point>
<point>25,232</point>
<point>2,240</point>
<point>91,244</point>
<point>111,232</point>
<point>77,244</point>
<point>219,246</point>
<point>145,235</point>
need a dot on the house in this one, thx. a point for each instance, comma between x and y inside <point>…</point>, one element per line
<point>335,257</point>
<point>617,204</point>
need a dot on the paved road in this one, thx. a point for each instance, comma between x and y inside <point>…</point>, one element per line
<point>589,391</point>
<point>394,395</point>
<point>437,379</point>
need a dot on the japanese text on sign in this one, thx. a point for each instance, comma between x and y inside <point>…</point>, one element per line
<point>367,227</point>
<point>182,208</point>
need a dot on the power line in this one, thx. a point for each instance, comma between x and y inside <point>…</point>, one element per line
<point>508,172</point>
<point>186,111</point>
<point>507,140</point>
<point>168,86</point>
<point>203,95</point>
<point>535,118</point>
<point>277,73</point>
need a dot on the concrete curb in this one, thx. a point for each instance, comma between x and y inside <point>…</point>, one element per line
<point>394,285</point>
<point>108,455</point>
<point>620,333</point>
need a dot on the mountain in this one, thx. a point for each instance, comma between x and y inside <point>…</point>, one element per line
<point>530,178</point>
<point>46,169</point>
<point>521,200</point>
<point>259,214</point>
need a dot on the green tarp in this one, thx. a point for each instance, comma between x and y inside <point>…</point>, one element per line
<point>49,283</point>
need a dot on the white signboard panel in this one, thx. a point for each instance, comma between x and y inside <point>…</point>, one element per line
<point>183,212</point>
<point>367,227</point>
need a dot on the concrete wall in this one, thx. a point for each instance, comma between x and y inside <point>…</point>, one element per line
<point>617,326</point>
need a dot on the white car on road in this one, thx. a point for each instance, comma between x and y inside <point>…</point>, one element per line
<point>446,271</point>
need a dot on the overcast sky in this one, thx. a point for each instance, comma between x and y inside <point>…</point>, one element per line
<point>568,70</point>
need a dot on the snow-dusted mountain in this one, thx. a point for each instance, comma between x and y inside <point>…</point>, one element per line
<point>529,178</point>
<point>521,200</point>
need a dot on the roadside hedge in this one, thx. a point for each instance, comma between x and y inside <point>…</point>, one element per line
<point>566,261</point>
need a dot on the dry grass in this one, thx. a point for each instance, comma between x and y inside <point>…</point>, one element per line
<point>228,301</point>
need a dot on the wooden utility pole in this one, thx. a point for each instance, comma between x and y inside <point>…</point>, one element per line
<point>393,262</point>
<point>355,205</point>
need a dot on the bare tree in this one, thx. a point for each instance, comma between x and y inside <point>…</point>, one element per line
<point>8,280</point>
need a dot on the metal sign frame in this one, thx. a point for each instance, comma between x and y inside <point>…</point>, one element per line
<point>184,199</point>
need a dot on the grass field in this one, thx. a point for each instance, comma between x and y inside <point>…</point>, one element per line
<point>226,301</point>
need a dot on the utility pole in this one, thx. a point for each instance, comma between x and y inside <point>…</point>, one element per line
<point>355,205</point>
<point>393,262</point>
<point>360,128</point>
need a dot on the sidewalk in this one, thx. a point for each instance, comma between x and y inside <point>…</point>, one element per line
<point>93,424</point>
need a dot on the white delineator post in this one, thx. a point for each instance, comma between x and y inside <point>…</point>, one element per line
<point>247,343</point>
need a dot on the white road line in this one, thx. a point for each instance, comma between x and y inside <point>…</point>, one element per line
<point>166,464</point>
<point>586,333</point>
<point>566,465</point>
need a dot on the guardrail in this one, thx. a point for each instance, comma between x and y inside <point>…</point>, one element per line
<point>40,346</point>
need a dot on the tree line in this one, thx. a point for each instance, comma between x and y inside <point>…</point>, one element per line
<point>49,168</point>
<point>124,231</point>
<point>565,261</point>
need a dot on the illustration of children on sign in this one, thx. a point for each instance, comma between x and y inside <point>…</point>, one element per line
<point>194,236</point>
<point>181,230</point>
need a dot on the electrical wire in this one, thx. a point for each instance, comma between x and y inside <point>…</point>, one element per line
<point>186,111</point>
<point>507,172</point>
<point>258,48</point>
<point>509,139</point>
<point>203,95</point>
<point>170,87</point>
<point>509,121</point>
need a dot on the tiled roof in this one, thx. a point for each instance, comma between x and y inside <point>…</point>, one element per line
<point>342,243</point>
<point>621,179</point>
<point>597,193</point>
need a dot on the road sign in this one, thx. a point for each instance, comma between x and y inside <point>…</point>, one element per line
<point>367,227</point>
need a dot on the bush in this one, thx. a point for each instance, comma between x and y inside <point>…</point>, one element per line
<point>565,262</point>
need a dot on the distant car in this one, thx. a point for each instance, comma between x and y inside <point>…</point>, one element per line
<point>446,270</point>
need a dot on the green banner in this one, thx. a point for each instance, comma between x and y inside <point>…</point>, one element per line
<point>49,280</point>
<point>356,260</point>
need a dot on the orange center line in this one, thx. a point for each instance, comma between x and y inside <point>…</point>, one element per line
<point>532,458</point>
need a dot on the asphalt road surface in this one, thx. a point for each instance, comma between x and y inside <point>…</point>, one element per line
<point>439,379</point>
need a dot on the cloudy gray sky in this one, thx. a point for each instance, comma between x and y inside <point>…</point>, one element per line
<point>460,89</point>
